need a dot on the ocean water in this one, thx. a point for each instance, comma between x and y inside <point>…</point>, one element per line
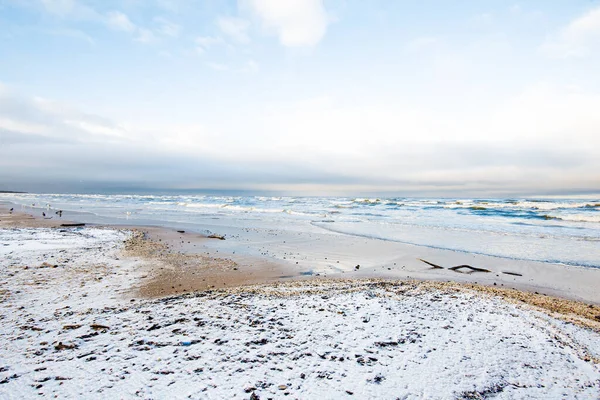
<point>563,231</point>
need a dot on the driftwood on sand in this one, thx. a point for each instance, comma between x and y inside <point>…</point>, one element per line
<point>456,268</point>
<point>215,236</point>
<point>473,269</point>
<point>512,273</point>
<point>435,266</point>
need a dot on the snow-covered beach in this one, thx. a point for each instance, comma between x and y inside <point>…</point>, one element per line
<point>303,199</point>
<point>74,325</point>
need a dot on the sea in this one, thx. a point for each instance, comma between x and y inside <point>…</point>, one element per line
<point>550,230</point>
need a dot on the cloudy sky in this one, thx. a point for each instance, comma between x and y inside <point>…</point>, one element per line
<point>323,97</point>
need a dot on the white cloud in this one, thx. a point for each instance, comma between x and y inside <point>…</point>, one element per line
<point>169,5</point>
<point>95,129</point>
<point>235,28</point>
<point>53,120</point>
<point>118,21</point>
<point>59,7</point>
<point>207,41</point>
<point>10,124</point>
<point>203,43</point>
<point>72,33</point>
<point>168,28</point>
<point>542,138</point>
<point>580,38</point>
<point>144,35</point>
<point>70,9</point>
<point>115,20</point>
<point>296,22</point>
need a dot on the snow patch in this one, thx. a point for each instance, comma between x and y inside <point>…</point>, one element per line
<point>71,331</point>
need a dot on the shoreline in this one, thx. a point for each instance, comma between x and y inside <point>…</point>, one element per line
<point>165,283</point>
<point>212,263</point>
<point>79,321</point>
<point>184,262</point>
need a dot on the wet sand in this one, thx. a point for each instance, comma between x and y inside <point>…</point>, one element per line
<point>188,266</point>
<point>176,271</point>
<point>20,219</point>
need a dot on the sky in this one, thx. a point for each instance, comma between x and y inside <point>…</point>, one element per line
<point>301,96</point>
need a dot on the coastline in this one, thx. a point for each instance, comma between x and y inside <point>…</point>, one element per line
<point>183,262</point>
<point>335,256</point>
<point>83,302</point>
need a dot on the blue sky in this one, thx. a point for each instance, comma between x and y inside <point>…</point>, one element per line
<point>416,97</point>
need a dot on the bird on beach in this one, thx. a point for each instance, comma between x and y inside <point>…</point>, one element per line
<point>11,210</point>
<point>43,214</point>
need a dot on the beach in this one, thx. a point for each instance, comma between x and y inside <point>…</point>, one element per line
<point>287,237</point>
<point>303,199</point>
<point>153,312</point>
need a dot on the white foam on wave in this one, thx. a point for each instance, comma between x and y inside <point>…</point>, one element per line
<point>262,198</point>
<point>203,205</point>
<point>367,201</point>
<point>580,218</point>
<point>247,209</point>
<point>443,221</point>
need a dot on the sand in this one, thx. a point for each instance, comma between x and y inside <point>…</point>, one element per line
<point>85,314</point>
<point>74,326</point>
<point>17,219</point>
<point>185,262</point>
<point>172,271</point>
<point>176,272</point>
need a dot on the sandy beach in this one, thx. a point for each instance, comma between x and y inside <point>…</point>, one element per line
<point>299,199</point>
<point>130,308</point>
<point>262,256</point>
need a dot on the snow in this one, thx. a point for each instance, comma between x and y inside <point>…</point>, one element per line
<point>73,331</point>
